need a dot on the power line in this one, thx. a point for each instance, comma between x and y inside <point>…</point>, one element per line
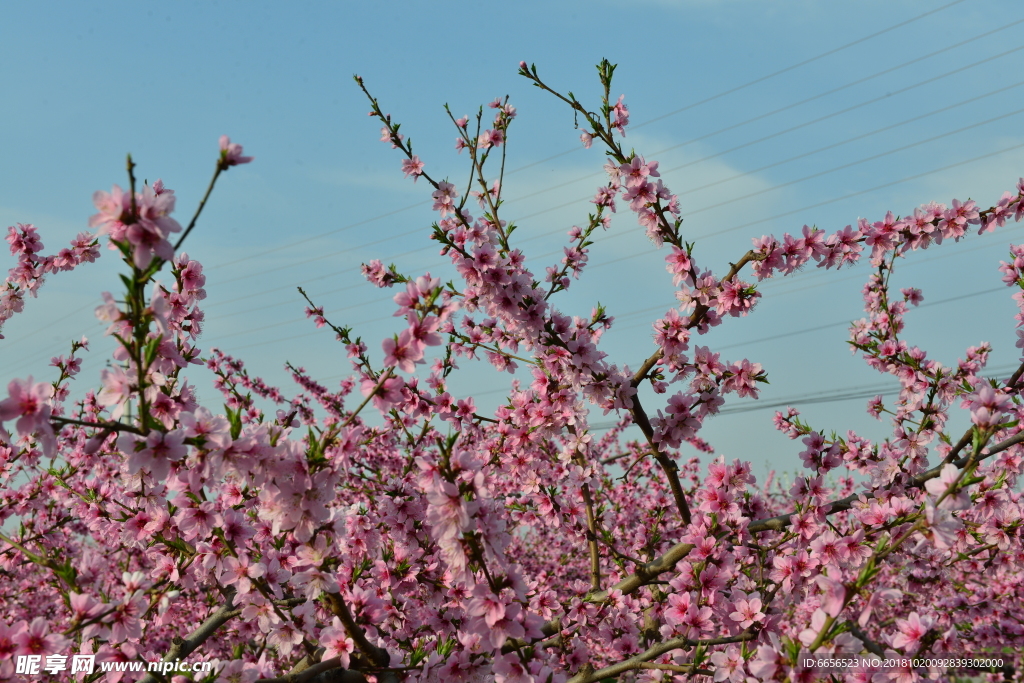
<point>808,330</point>
<point>841,395</point>
<point>671,113</point>
<point>624,258</point>
<point>799,64</point>
<point>809,177</point>
<point>845,394</point>
<point>826,202</point>
<point>863,160</point>
<point>663,116</point>
<point>970,100</point>
<point>749,83</point>
<point>576,201</point>
<point>309,334</point>
<point>811,99</point>
<point>418,230</point>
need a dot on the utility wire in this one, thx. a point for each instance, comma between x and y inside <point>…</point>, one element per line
<point>942,109</point>
<point>577,201</point>
<point>663,116</point>
<point>574,202</point>
<point>308,334</point>
<point>845,394</point>
<point>970,100</point>
<point>691,213</point>
<point>691,106</point>
<point>793,105</point>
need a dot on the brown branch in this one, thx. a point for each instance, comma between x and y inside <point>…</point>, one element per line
<point>634,663</point>
<point>181,648</point>
<point>104,426</point>
<point>646,367</point>
<point>870,645</point>
<point>327,670</point>
<point>377,655</point>
<point>679,668</point>
<point>640,415</point>
<point>595,555</point>
<point>1015,376</point>
<point>667,464</point>
<point>588,502</point>
<point>620,456</point>
<point>380,382</point>
<point>782,521</point>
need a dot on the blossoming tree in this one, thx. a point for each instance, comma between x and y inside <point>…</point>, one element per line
<point>434,543</point>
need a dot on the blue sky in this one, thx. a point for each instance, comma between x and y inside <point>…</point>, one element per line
<point>887,123</point>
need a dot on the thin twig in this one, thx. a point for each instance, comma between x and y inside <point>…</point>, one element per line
<point>104,426</point>
<point>202,204</point>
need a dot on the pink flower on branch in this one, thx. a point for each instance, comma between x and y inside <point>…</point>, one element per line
<point>231,153</point>
<point>337,643</point>
<point>412,167</point>
<point>910,631</point>
<point>29,402</point>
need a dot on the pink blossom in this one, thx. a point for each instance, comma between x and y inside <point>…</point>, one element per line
<point>155,453</point>
<point>231,153</point>
<point>336,642</point>
<point>678,606</point>
<point>808,635</point>
<point>240,572</point>
<point>834,595</point>
<point>878,598</point>
<point>402,351</point>
<point>728,665</point>
<point>37,640</point>
<point>747,611</point>
<point>621,118</point>
<point>910,631</point>
<point>412,167</point>
<point>29,402</point>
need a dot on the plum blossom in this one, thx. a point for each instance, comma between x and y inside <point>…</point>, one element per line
<point>36,639</point>
<point>29,402</point>
<point>412,167</point>
<point>336,642</point>
<point>231,153</point>
<point>910,631</point>
<point>747,610</point>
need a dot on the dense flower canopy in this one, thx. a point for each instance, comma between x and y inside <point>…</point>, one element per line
<point>307,538</point>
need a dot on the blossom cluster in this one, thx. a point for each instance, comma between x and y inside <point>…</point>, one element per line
<point>385,529</point>
<point>27,276</point>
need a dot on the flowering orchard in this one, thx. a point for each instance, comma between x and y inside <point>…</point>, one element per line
<point>433,543</point>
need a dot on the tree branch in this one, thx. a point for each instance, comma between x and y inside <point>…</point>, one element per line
<point>327,671</point>
<point>377,655</point>
<point>870,645</point>
<point>650,653</point>
<point>782,521</point>
<point>181,648</point>
<point>667,464</point>
<point>103,426</point>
